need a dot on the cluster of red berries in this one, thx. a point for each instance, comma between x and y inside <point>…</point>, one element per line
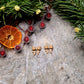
<point>26,39</point>
<point>29,31</point>
<point>18,48</point>
<point>47,17</point>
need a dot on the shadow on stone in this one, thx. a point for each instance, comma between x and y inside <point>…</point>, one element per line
<point>20,51</point>
<point>82,46</point>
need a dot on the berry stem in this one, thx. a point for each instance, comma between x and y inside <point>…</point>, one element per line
<point>21,29</point>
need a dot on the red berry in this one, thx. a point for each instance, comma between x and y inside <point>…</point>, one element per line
<point>48,16</point>
<point>18,47</point>
<point>26,39</point>
<point>46,8</point>
<point>49,7</point>
<point>42,25</point>
<point>2,53</point>
<point>31,28</point>
<point>30,22</point>
<point>11,16</point>
<point>16,22</point>
<point>29,33</point>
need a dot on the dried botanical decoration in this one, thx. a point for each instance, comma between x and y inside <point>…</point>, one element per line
<point>10,36</point>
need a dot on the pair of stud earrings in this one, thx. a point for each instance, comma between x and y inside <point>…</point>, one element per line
<point>48,49</point>
<point>38,49</point>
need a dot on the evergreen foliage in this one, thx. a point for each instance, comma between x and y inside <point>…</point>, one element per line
<point>72,11</point>
<point>23,7</point>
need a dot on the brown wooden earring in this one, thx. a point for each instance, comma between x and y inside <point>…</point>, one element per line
<point>38,50</point>
<point>51,48</point>
<point>46,49</point>
<point>34,50</point>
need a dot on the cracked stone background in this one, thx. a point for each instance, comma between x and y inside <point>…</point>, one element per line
<point>64,66</point>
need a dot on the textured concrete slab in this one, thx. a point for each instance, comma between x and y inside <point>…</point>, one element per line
<point>64,66</point>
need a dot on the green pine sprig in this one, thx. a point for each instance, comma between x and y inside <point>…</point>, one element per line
<point>72,11</point>
<point>27,7</point>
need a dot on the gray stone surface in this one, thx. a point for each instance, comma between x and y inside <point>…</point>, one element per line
<point>64,66</point>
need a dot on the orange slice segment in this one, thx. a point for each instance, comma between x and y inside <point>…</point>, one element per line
<point>10,36</point>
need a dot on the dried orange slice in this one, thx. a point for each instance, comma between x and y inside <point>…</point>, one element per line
<point>10,36</point>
